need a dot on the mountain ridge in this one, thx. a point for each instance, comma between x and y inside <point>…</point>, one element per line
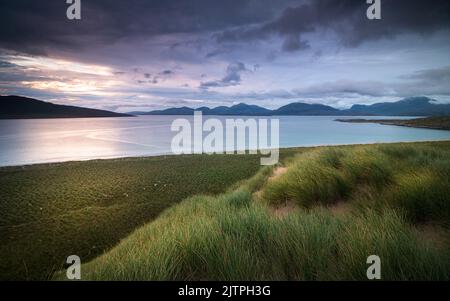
<point>19,107</point>
<point>411,106</point>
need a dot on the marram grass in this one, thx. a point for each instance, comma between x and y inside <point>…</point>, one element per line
<point>233,238</point>
<point>392,192</point>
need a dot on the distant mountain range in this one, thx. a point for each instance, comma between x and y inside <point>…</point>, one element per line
<point>241,109</point>
<point>18,107</point>
<point>412,106</point>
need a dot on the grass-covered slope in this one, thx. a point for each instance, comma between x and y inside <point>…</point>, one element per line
<point>321,219</point>
<point>51,211</point>
<point>412,177</point>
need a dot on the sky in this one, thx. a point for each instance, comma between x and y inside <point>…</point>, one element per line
<point>142,55</point>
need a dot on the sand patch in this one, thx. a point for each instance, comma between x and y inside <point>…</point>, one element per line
<point>278,172</point>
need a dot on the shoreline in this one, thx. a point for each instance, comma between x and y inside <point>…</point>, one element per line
<point>161,155</point>
<point>431,123</point>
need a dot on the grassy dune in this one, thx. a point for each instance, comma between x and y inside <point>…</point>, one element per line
<point>51,211</point>
<point>320,220</point>
<point>413,178</point>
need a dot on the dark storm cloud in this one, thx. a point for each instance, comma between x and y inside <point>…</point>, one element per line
<point>347,18</point>
<point>231,78</point>
<point>37,27</point>
<point>34,26</point>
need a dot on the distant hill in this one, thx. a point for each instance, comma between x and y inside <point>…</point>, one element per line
<point>242,109</point>
<point>413,106</point>
<point>18,107</point>
<point>299,108</point>
<point>171,111</point>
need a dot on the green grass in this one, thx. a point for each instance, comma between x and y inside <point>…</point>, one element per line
<point>50,211</point>
<point>412,178</point>
<point>238,236</point>
<point>329,175</point>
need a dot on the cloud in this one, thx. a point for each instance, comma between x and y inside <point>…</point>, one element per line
<point>424,82</point>
<point>106,24</point>
<point>105,21</point>
<point>231,78</point>
<point>20,77</point>
<point>430,82</point>
<point>342,87</point>
<point>217,52</point>
<point>293,43</point>
<point>10,72</point>
<point>434,75</point>
<point>166,72</point>
<point>347,19</point>
<point>154,79</point>
<point>5,64</point>
<point>434,81</point>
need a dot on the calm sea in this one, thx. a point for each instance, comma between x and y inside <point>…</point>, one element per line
<point>56,140</point>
